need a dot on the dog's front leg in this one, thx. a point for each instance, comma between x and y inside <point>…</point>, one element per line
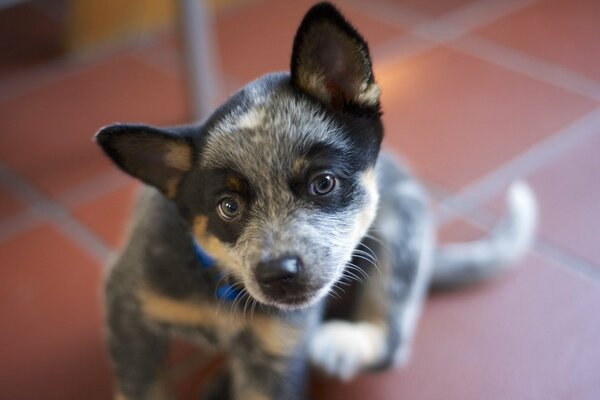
<point>403,241</point>
<point>268,361</point>
<point>138,353</point>
<point>394,267</point>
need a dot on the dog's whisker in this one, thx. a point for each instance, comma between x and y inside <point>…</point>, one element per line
<point>352,276</point>
<point>369,256</point>
<point>367,259</point>
<point>333,291</point>
<point>370,262</point>
<point>367,248</point>
<point>236,300</point>
<point>356,268</point>
<point>231,288</point>
<point>376,239</point>
<point>369,251</point>
<point>248,299</point>
<point>254,302</point>
<point>341,282</point>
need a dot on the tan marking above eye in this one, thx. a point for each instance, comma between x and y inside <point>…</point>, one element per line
<point>234,183</point>
<point>299,166</point>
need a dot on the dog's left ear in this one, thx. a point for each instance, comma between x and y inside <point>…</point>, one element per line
<point>156,156</point>
<point>330,61</point>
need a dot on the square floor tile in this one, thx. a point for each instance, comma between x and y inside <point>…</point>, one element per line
<point>9,205</point>
<point>431,8</point>
<point>459,230</point>
<point>52,341</point>
<point>563,32</point>
<point>257,38</point>
<point>48,132</point>
<point>457,117</point>
<point>109,214</point>
<point>530,335</point>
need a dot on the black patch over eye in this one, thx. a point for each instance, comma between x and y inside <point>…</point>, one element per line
<point>229,208</point>
<point>322,184</point>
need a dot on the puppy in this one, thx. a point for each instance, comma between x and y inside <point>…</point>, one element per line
<point>276,232</point>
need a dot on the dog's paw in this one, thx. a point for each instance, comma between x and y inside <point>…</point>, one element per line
<point>343,349</point>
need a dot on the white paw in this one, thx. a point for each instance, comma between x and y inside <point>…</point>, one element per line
<point>343,349</point>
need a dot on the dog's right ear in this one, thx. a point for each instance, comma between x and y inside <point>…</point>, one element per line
<point>331,61</point>
<point>158,157</point>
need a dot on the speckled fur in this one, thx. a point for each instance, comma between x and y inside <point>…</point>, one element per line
<point>367,248</point>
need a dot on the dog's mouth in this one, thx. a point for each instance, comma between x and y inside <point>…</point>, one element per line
<point>287,299</point>
<point>293,301</point>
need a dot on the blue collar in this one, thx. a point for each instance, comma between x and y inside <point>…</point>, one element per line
<point>224,291</point>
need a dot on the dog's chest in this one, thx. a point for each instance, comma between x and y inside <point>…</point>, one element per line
<point>221,326</point>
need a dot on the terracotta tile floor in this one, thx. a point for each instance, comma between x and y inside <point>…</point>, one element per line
<point>499,90</point>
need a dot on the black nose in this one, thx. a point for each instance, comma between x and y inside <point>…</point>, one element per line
<point>278,276</point>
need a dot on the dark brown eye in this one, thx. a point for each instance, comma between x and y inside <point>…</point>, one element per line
<point>322,184</point>
<point>229,208</point>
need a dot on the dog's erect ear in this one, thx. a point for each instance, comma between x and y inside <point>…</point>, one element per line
<point>330,61</point>
<point>156,156</point>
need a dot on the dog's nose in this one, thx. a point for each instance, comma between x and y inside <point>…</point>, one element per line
<point>277,276</point>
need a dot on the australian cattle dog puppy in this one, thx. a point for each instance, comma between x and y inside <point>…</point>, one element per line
<point>275,231</point>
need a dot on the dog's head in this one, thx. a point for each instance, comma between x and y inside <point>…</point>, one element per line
<point>278,184</point>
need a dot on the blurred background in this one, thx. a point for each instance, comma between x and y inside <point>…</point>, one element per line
<point>475,95</point>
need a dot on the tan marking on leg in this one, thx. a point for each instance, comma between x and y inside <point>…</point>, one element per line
<point>255,395</point>
<point>120,396</point>
<point>187,312</point>
<point>276,337</point>
<point>161,390</point>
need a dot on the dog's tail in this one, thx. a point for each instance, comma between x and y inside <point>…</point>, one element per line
<point>464,263</point>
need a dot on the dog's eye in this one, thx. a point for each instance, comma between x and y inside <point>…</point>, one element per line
<point>322,184</point>
<point>229,208</point>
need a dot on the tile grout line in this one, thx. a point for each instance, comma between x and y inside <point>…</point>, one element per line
<point>529,161</point>
<point>74,197</point>
<point>527,65</point>
<point>60,215</point>
<point>63,68</point>
<point>452,30</point>
<point>52,73</point>
<point>21,222</point>
<point>568,260</point>
<point>94,188</point>
<point>391,14</point>
<point>461,195</point>
<point>465,19</point>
